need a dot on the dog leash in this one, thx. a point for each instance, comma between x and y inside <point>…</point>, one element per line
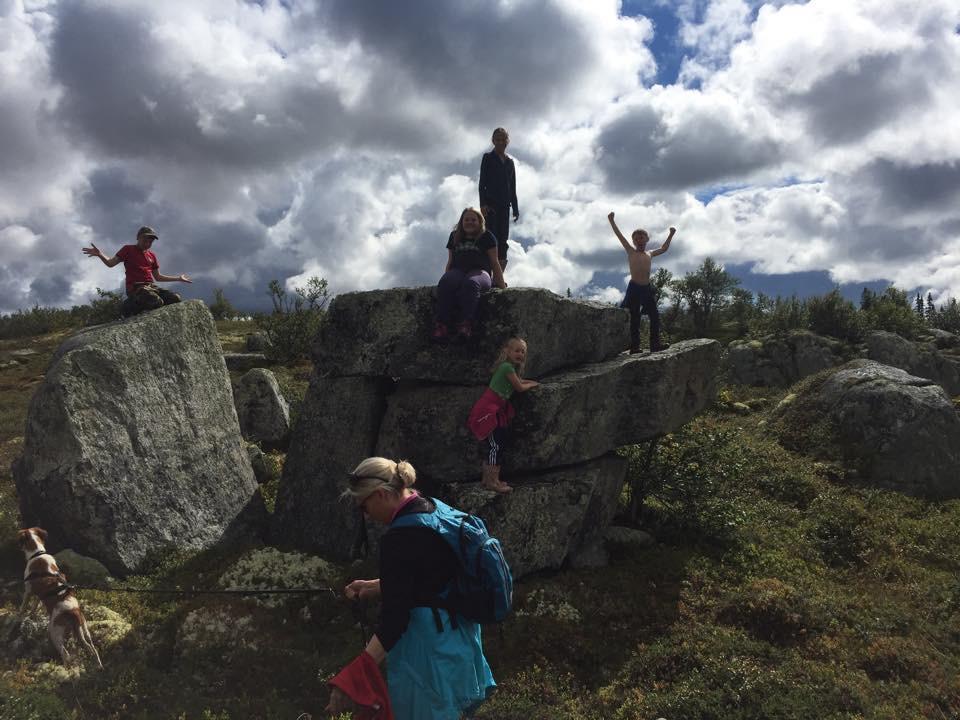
<point>231,591</point>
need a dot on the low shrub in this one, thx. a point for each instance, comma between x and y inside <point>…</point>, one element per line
<point>295,320</point>
<point>770,610</point>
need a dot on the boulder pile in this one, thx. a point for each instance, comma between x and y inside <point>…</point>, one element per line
<point>381,388</point>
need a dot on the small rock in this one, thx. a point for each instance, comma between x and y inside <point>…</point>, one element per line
<point>26,352</point>
<point>630,537</point>
<point>741,408</point>
<point>81,569</point>
<point>258,342</point>
<point>244,361</point>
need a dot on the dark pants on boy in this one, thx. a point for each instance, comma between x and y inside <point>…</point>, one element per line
<point>640,299</point>
<point>149,297</point>
<point>498,222</point>
<point>460,289</point>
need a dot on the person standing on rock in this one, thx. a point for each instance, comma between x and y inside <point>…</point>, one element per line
<point>491,414</point>
<point>498,191</point>
<point>142,273</point>
<point>436,668</point>
<point>640,297</point>
<point>471,261</point>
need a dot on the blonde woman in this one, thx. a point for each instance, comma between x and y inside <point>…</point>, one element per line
<point>437,670</point>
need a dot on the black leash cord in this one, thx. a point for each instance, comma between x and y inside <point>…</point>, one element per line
<point>162,591</point>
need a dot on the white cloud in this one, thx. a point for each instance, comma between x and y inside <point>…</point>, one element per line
<point>279,140</point>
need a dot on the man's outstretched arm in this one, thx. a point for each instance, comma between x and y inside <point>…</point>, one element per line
<point>666,244</point>
<point>616,230</point>
<point>94,251</point>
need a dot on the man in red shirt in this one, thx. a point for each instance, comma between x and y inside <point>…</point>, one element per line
<point>143,272</point>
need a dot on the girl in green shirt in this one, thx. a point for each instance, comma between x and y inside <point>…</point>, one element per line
<point>492,412</point>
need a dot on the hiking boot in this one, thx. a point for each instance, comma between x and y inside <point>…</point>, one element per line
<point>440,333</point>
<point>634,349</point>
<point>465,329</point>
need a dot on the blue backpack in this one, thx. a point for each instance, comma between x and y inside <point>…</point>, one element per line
<point>483,588</point>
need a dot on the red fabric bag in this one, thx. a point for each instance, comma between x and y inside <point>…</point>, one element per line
<point>363,682</point>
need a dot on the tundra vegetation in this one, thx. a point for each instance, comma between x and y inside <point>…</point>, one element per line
<point>778,586</point>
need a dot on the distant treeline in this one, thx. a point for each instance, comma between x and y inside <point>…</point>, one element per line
<point>707,302</point>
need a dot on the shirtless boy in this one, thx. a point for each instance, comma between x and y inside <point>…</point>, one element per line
<point>640,297</point>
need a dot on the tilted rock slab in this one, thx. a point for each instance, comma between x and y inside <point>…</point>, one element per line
<point>336,428</point>
<point>573,416</point>
<point>383,332</point>
<point>548,517</point>
<point>902,432</point>
<point>132,442</point>
<point>262,410</point>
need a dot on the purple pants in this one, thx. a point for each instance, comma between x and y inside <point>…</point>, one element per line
<point>460,289</point>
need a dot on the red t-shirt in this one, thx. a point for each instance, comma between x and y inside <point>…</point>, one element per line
<point>140,265</point>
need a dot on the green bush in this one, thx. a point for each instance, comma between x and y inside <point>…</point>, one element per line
<point>295,319</point>
<point>833,315</point>
<point>893,312</point>
<point>35,321</point>
<point>841,529</point>
<point>220,308</point>
<point>104,308</point>
<point>685,492</point>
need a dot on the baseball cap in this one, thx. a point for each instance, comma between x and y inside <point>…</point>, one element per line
<point>147,231</point>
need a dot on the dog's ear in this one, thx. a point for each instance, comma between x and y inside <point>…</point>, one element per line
<point>42,533</point>
<point>22,536</point>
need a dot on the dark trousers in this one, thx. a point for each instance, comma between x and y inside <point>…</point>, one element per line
<point>640,299</point>
<point>498,222</point>
<point>150,297</point>
<point>458,289</point>
<point>494,445</point>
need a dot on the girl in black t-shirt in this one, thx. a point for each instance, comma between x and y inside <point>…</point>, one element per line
<point>472,267</point>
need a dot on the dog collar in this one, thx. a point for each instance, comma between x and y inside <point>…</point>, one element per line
<point>37,554</point>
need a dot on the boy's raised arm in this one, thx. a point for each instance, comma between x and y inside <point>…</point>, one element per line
<point>666,244</point>
<point>623,240</point>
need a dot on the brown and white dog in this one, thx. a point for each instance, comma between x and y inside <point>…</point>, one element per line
<point>44,583</point>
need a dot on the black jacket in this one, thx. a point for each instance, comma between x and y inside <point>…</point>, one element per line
<point>498,182</point>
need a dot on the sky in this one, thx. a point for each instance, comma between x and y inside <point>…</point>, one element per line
<point>802,145</point>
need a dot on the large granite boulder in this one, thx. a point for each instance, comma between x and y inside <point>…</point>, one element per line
<point>899,431</point>
<point>574,416</point>
<point>262,410</point>
<point>132,442</point>
<point>549,517</point>
<point>781,360</point>
<point>382,333</point>
<point>924,360</point>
